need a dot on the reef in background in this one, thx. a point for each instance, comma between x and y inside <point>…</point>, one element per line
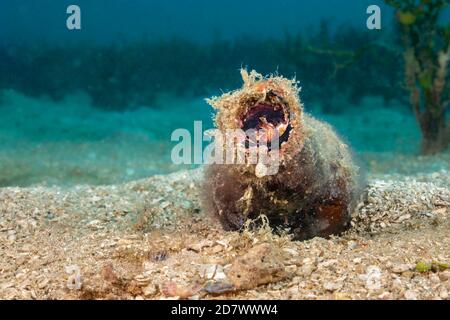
<point>149,239</point>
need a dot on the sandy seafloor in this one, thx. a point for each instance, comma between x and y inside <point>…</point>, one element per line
<point>132,237</point>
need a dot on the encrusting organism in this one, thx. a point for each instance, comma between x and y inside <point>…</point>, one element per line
<point>317,184</point>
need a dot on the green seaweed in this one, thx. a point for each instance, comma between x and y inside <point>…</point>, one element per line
<point>434,266</point>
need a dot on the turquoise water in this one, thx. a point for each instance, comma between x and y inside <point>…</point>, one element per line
<point>98,105</point>
<point>72,142</point>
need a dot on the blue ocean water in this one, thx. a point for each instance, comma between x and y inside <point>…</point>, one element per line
<point>98,105</point>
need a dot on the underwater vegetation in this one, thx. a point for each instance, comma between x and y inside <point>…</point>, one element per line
<point>426,54</point>
<point>337,68</point>
<point>316,186</point>
<point>126,75</point>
